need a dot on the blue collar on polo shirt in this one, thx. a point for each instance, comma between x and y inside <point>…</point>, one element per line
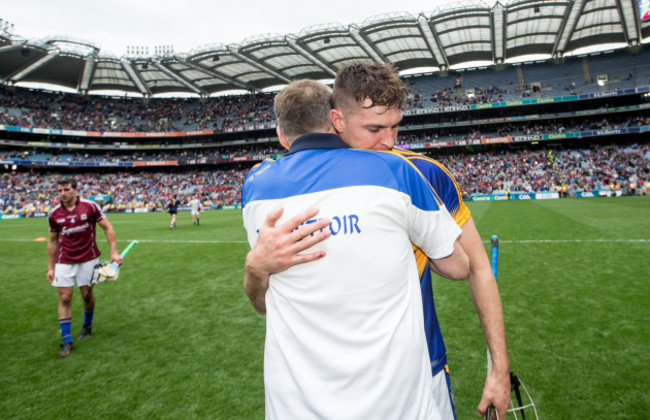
<point>317,141</point>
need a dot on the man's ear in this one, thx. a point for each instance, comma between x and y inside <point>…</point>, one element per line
<point>282,138</point>
<point>336,116</point>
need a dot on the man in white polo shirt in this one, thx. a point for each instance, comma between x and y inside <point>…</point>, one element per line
<point>345,335</point>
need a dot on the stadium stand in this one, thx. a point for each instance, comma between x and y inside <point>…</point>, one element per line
<point>569,120</point>
<point>593,168</point>
<point>34,191</point>
<point>596,167</point>
<point>192,164</point>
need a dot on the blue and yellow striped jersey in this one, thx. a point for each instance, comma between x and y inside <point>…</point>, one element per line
<point>441,179</point>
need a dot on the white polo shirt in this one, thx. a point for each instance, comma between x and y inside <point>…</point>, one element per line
<point>345,334</point>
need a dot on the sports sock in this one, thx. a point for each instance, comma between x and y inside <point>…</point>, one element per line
<point>88,317</point>
<point>65,324</point>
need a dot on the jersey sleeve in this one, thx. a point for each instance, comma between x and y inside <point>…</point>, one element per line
<point>430,226</point>
<point>97,213</point>
<point>53,227</point>
<point>442,180</point>
<point>254,172</point>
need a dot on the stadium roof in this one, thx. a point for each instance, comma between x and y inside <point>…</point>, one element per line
<point>449,37</point>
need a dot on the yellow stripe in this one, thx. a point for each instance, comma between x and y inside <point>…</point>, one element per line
<point>463,214</point>
<point>420,259</point>
<point>258,164</point>
<point>444,169</point>
<point>433,191</point>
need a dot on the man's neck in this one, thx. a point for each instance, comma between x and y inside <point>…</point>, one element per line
<point>71,205</point>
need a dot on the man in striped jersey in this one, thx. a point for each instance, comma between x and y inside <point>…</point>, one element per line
<point>72,254</point>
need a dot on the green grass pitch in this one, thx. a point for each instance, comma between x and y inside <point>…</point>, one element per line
<point>175,336</point>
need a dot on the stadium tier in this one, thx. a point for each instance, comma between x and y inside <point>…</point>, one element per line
<point>575,124</point>
<point>620,168</point>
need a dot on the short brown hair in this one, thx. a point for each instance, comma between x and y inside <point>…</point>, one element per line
<point>67,181</point>
<point>303,107</point>
<point>378,82</point>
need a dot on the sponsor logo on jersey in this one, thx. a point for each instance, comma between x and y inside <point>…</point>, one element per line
<point>346,225</point>
<point>69,231</point>
<point>339,225</point>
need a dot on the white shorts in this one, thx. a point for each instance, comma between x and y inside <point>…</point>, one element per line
<point>195,212</point>
<point>443,396</point>
<point>69,275</point>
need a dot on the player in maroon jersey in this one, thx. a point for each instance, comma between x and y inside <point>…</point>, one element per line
<point>72,254</point>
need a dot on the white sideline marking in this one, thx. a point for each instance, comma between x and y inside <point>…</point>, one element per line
<point>562,241</point>
<point>501,241</point>
<point>172,241</point>
<point>149,241</point>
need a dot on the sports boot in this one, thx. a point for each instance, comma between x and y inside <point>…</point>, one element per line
<point>66,348</point>
<point>86,332</point>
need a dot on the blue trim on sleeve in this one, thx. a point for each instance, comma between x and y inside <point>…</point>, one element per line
<point>440,182</point>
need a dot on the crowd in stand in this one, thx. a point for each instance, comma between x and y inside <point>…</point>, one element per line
<point>215,155</point>
<point>205,155</point>
<point>596,167</point>
<point>32,108</point>
<point>523,128</point>
<point>40,109</point>
<point>453,97</point>
<point>36,191</point>
<point>460,95</point>
<point>625,168</point>
<point>37,109</point>
<point>485,172</point>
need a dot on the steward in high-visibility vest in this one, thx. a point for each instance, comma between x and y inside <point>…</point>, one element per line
<point>632,188</point>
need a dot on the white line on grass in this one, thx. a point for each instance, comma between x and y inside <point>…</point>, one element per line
<point>179,241</point>
<point>501,241</point>
<point>562,241</point>
<point>149,241</point>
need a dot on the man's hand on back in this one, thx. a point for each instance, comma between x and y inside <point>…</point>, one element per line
<point>278,248</point>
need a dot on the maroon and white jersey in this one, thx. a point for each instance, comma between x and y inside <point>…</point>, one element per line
<point>76,231</point>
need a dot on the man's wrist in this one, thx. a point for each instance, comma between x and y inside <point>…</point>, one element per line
<point>253,269</point>
<point>501,368</point>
